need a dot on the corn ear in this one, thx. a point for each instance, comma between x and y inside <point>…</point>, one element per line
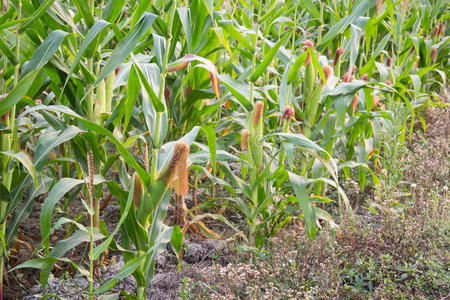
<point>109,91</point>
<point>101,100</point>
<point>256,134</point>
<point>138,192</point>
<point>310,78</point>
<point>244,139</point>
<point>175,174</point>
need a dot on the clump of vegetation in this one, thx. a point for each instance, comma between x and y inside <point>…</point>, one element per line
<point>408,259</point>
<point>224,120</point>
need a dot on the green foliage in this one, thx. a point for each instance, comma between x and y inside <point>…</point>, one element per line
<point>131,81</point>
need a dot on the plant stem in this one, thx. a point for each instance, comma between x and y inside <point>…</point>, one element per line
<point>140,293</point>
<point>5,144</point>
<point>90,97</point>
<point>91,253</point>
<point>157,133</point>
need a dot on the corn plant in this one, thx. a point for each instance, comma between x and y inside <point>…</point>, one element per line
<point>273,100</point>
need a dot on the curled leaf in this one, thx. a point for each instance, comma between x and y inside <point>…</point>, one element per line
<point>207,64</point>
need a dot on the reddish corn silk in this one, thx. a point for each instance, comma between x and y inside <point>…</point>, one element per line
<point>288,113</point>
<point>259,107</point>
<point>309,44</point>
<point>138,191</point>
<point>388,61</point>
<point>355,102</point>
<point>441,29</point>
<point>436,31</point>
<point>178,169</point>
<point>328,72</point>
<point>380,4</point>
<point>364,77</point>
<point>167,94</point>
<point>376,100</point>
<point>244,139</point>
<point>337,54</point>
<point>353,69</point>
<point>388,82</point>
<point>187,91</point>
<point>117,71</point>
<point>433,54</point>
<point>346,77</point>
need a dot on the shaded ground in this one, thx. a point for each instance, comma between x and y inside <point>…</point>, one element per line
<point>402,252</point>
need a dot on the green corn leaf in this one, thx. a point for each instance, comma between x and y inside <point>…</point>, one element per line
<point>207,64</point>
<point>5,198</point>
<point>382,44</point>
<point>311,8</point>
<point>302,141</point>
<point>211,138</point>
<point>238,89</point>
<point>126,45</point>
<point>6,25</point>
<point>9,54</point>
<point>298,63</point>
<point>100,130</point>
<point>160,243</point>
<point>62,247</point>
<point>25,160</point>
<point>49,141</point>
<point>268,58</point>
<point>301,192</point>
<point>84,10</point>
<point>113,9</point>
<point>36,15</point>
<point>61,188</point>
<point>204,156</point>
<point>177,242</point>
<point>114,296</point>
<point>159,48</point>
<point>128,269</point>
<point>45,51</point>
<point>232,31</point>
<point>123,215</point>
<point>132,95</point>
<point>316,64</point>
<point>184,13</point>
<point>324,215</point>
<point>209,4</point>
<point>358,10</point>
<point>5,195</point>
<point>91,36</point>
<point>80,236</point>
<point>18,92</point>
<point>40,263</point>
<point>24,210</point>
<point>156,102</point>
<point>141,8</point>
<point>157,227</point>
<point>284,92</point>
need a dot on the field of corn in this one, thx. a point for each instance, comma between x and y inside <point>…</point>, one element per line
<point>132,131</point>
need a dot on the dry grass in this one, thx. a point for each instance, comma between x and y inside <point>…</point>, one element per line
<point>403,254</point>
